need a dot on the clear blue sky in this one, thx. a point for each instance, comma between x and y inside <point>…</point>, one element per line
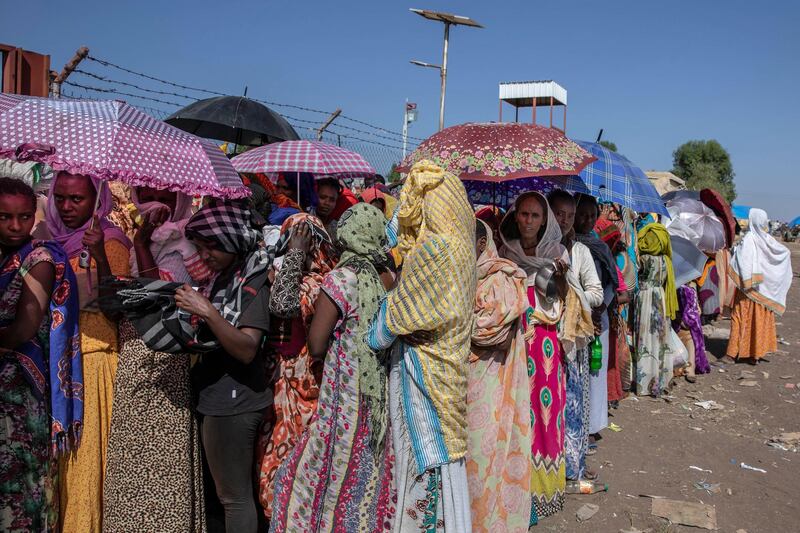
<point>652,74</point>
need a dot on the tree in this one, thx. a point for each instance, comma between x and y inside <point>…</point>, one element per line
<point>608,144</point>
<point>705,164</point>
<point>393,176</point>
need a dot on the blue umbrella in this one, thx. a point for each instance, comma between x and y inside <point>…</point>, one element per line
<point>795,222</point>
<point>613,178</point>
<point>741,211</point>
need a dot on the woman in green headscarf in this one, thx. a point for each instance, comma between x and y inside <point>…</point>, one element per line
<point>655,307</point>
<point>346,444</point>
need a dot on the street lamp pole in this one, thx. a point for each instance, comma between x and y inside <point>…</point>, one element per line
<point>448,20</point>
<point>443,72</point>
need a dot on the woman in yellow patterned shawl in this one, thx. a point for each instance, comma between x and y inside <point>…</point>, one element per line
<point>434,229</point>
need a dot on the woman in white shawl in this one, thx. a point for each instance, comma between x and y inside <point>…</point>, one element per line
<point>761,269</point>
<point>154,460</point>
<point>532,239</point>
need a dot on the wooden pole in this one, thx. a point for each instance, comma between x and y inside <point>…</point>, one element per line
<point>71,65</point>
<point>328,122</point>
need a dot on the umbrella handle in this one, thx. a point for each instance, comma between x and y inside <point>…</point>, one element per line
<point>97,201</point>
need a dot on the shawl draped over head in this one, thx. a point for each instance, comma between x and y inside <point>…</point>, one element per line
<point>435,233</point>
<point>761,266</point>
<point>150,304</point>
<point>500,298</point>
<point>361,235</point>
<point>548,249</point>
<point>603,257</point>
<point>61,365</point>
<point>322,260</point>
<point>70,239</point>
<point>654,240</point>
<point>176,258</point>
<point>373,193</point>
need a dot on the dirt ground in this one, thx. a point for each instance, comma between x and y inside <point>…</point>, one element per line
<point>661,439</point>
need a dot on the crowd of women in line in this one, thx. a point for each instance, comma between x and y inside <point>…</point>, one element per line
<point>397,364</point>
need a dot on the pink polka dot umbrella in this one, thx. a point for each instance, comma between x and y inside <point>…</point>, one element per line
<point>498,152</point>
<point>111,140</point>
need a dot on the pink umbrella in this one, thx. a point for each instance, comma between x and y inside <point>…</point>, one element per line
<point>315,157</point>
<point>111,140</point>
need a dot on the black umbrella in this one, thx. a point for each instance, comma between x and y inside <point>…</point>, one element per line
<point>234,119</point>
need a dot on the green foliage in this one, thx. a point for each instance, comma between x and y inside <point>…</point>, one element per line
<point>705,164</point>
<point>393,176</point>
<point>608,144</point>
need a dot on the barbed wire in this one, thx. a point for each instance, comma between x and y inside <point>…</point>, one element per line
<point>114,91</point>
<point>132,85</point>
<point>267,102</point>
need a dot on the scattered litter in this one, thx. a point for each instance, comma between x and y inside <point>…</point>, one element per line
<point>700,469</point>
<point>711,488</point>
<point>633,398</point>
<point>747,374</point>
<point>721,370</point>
<point>686,407</point>
<point>780,446</point>
<point>788,442</point>
<point>652,497</point>
<point>615,428</point>
<point>784,342</point>
<point>631,530</point>
<point>789,376</point>
<point>640,471</point>
<point>686,513</point>
<point>729,492</point>
<point>748,383</point>
<point>693,428</point>
<point>585,486</point>
<point>709,405</point>
<point>789,385</point>
<point>765,374</point>
<point>668,399</point>
<point>753,468</point>
<point>587,511</point>
<point>741,531</point>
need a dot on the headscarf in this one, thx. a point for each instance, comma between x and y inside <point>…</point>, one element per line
<point>176,258</point>
<point>361,235</point>
<point>608,232</point>
<point>603,257</point>
<point>500,297</point>
<point>62,365</point>
<point>435,232</point>
<point>654,240</point>
<point>761,266</point>
<point>322,260</point>
<point>70,239</point>
<point>548,249</point>
<point>227,226</point>
<point>345,201</point>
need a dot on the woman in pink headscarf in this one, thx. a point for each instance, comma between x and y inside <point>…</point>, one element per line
<point>74,223</point>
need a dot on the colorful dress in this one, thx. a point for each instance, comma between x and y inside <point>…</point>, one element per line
<point>333,480</point>
<point>498,395</point>
<point>294,375</point>
<point>752,329</point>
<point>81,474</point>
<point>547,401</point>
<point>652,328</point>
<point>28,501</point>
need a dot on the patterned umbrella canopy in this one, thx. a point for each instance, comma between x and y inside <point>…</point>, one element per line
<point>613,178</point>
<point>315,157</point>
<point>111,140</point>
<point>503,194</point>
<point>497,152</point>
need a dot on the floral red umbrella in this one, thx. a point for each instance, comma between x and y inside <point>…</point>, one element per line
<point>498,152</point>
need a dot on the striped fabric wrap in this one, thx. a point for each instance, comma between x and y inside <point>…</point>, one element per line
<point>436,292</point>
